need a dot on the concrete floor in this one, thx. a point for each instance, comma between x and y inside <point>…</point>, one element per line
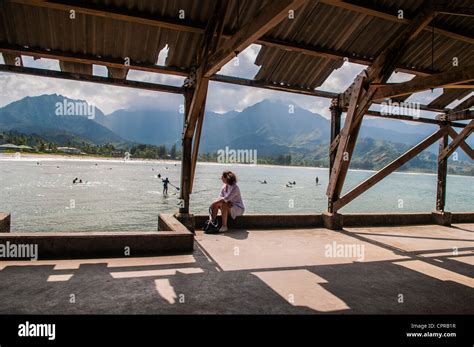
<point>417,269</point>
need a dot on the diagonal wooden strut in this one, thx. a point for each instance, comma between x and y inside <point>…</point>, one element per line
<point>345,134</point>
<point>394,165</point>
<point>457,141</point>
<point>464,146</point>
<point>379,72</point>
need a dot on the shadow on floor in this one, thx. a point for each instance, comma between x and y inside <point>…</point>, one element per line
<point>202,287</point>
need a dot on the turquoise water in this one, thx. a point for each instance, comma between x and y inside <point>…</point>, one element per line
<point>126,196</point>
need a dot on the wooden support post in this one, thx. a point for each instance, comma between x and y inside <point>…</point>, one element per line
<point>361,96</point>
<point>336,113</point>
<point>442,173</point>
<point>195,98</point>
<point>197,141</point>
<point>186,157</point>
<point>342,155</point>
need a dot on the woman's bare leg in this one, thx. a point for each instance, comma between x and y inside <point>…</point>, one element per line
<point>225,214</point>
<point>215,209</point>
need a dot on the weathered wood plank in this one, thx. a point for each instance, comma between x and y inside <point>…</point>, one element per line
<point>420,84</point>
<point>93,79</point>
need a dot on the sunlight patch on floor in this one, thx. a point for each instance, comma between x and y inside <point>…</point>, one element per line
<point>436,272</point>
<point>302,288</point>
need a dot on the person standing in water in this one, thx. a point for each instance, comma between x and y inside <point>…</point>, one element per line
<point>317,180</point>
<point>229,200</point>
<point>165,185</point>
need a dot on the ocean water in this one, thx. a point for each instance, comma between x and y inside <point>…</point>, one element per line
<point>127,195</point>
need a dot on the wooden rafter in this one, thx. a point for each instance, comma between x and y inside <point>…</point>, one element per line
<point>459,75</point>
<point>390,16</point>
<point>269,16</point>
<point>18,51</point>
<point>173,24</point>
<point>199,28</point>
<point>91,78</point>
<point>89,59</point>
<point>457,141</point>
<point>413,119</point>
<point>333,54</point>
<point>468,103</point>
<point>394,165</point>
<point>461,115</point>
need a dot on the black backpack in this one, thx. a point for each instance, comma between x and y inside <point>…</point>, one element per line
<point>210,226</point>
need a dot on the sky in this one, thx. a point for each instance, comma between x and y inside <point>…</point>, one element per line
<point>222,97</point>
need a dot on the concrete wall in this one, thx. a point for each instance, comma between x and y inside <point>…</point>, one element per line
<point>5,221</point>
<point>268,221</point>
<point>173,239</point>
<point>462,217</point>
<point>282,221</point>
<point>385,219</point>
<point>53,245</point>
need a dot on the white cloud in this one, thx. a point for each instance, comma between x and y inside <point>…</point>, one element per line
<point>222,97</point>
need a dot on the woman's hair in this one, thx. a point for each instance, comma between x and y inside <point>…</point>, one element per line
<point>229,177</point>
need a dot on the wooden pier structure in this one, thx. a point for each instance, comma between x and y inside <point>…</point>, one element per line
<point>303,42</point>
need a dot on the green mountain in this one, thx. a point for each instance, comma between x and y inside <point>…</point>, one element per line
<point>274,129</point>
<point>43,116</point>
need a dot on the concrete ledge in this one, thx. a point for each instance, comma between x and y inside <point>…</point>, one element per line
<point>332,221</point>
<point>289,221</point>
<point>462,217</point>
<point>267,221</point>
<point>187,220</point>
<point>5,222</point>
<point>168,222</point>
<point>442,218</point>
<point>386,219</point>
<point>53,245</point>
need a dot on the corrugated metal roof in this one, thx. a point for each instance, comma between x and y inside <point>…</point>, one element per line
<point>315,24</point>
<point>448,96</point>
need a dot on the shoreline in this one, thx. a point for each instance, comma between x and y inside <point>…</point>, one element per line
<point>91,158</point>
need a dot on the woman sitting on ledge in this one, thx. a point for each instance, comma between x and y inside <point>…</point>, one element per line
<point>229,201</point>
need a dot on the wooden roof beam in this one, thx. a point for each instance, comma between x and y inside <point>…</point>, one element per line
<point>91,78</point>
<point>468,103</point>
<point>199,28</point>
<point>89,59</point>
<point>173,24</point>
<point>268,17</point>
<point>390,16</point>
<point>461,115</point>
<point>459,75</point>
<point>18,51</point>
